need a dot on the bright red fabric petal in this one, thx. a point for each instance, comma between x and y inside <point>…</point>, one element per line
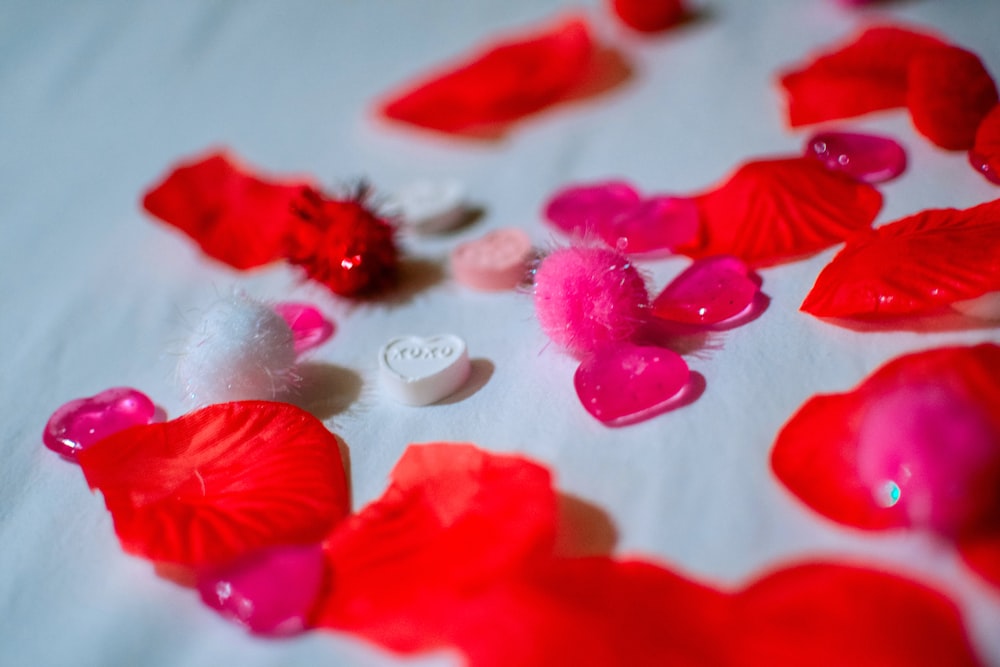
<point>454,520</point>
<point>987,144</point>
<point>219,482</point>
<point>868,73</point>
<point>950,92</point>
<point>233,215</point>
<point>913,266</point>
<point>770,211</point>
<point>982,554</point>
<point>815,454</point>
<point>831,615</point>
<point>516,76</point>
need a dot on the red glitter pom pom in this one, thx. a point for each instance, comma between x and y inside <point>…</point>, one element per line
<point>343,244</point>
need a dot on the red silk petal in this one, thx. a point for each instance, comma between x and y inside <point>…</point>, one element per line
<point>982,554</point>
<point>220,482</point>
<point>514,77</point>
<point>986,150</point>
<point>454,520</point>
<point>771,211</point>
<point>950,92</point>
<point>831,615</point>
<point>868,73</point>
<point>816,453</point>
<point>913,266</point>
<point>233,215</point>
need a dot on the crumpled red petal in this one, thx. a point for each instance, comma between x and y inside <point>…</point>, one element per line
<point>914,266</point>
<point>868,73</point>
<point>982,554</point>
<point>949,95</point>
<point>816,453</point>
<point>220,482</point>
<point>772,211</point>
<point>503,82</point>
<point>985,153</point>
<point>233,215</point>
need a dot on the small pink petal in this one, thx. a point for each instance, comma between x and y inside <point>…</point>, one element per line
<point>309,328</point>
<point>82,422</point>
<point>931,452</point>
<point>709,291</point>
<point>625,384</point>
<point>270,592</point>
<point>657,223</point>
<point>864,157</point>
<point>585,210</point>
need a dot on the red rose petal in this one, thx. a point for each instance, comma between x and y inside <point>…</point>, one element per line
<point>868,73</point>
<point>220,482</point>
<point>985,153</point>
<point>649,15</point>
<point>982,554</point>
<point>950,92</point>
<point>818,456</point>
<point>514,77</point>
<point>454,520</point>
<point>770,211</point>
<point>831,615</point>
<point>233,215</point>
<point>913,266</point>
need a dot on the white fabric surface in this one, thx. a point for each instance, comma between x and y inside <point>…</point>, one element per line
<point>98,99</point>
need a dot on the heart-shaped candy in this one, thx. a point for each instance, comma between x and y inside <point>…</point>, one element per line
<point>709,291</point>
<point>624,384</point>
<point>431,206</point>
<point>309,328</point>
<point>497,261</point>
<point>81,422</point>
<point>421,371</point>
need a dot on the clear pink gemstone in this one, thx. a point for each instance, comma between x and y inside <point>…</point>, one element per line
<point>932,453</point>
<point>270,592</point>
<point>625,384</point>
<point>709,291</point>
<point>309,328</point>
<point>80,423</point>
<point>981,164</point>
<point>584,210</point>
<point>657,223</point>
<point>864,157</point>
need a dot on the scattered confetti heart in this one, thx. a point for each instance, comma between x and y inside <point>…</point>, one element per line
<point>80,423</point>
<point>497,261</point>
<point>863,157</point>
<point>709,291</point>
<point>421,371</point>
<point>309,327</point>
<point>624,384</point>
<point>431,206</point>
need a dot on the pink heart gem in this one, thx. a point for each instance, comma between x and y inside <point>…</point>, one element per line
<point>309,328</point>
<point>863,157</point>
<point>625,384</point>
<point>270,592</point>
<point>982,164</point>
<point>585,210</point>
<point>657,223</point>
<point>709,291</point>
<point>81,422</point>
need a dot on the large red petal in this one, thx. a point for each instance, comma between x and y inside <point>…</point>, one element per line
<point>833,615</point>
<point>219,482</point>
<point>868,73</point>
<point>950,92</point>
<point>503,82</point>
<point>771,211</point>
<point>816,453</point>
<point>913,266</point>
<point>233,215</point>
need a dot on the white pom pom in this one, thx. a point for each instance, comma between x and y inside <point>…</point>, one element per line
<point>241,350</point>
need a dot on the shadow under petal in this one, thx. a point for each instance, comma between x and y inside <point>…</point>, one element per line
<point>326,390</point>
<point>584,528</point>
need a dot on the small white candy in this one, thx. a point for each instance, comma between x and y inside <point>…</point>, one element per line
<point>432,206</point>
<point>241,350</point>
<point>421,371</point>
<point>985,307</point>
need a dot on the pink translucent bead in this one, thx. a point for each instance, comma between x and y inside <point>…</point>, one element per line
<point>270,592</point>
<point>80,423</point>
<point>983,166</point>
<point>625,384</point>
<point>934,455</point>
<point>309,328</point>
<point>709,291</point>
<point>863,157</point>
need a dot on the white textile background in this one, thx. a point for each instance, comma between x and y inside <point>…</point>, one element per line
<point>98,99</point>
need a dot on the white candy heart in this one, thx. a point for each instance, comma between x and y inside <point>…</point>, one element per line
<point>432,206</point>
<point>421,371</point>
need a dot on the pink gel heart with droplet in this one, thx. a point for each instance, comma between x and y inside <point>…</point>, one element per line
<point>309,328</point>
<point>932,453</point>
<point>625,384</point>
<point>864,157</point>
<point>81,422</point>
<point>584,210</point>
<point>657,223</point>
<point>981,164</point>
<point>709,291</point>
<point>270,592</point>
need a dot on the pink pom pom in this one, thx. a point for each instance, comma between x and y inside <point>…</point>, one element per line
<point>588,297</point>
